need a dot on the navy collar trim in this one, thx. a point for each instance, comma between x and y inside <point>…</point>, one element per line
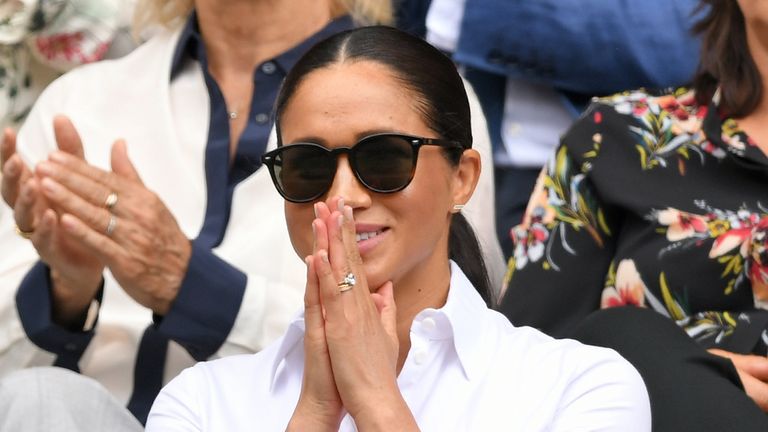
<point>190,43</point>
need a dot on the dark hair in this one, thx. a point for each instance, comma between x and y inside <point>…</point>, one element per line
<point>439,96</point>
<point>725,60</point>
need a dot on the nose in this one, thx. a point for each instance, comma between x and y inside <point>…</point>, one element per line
<point>346,185</point>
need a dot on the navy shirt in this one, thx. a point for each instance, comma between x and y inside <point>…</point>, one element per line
<point>209,297</point>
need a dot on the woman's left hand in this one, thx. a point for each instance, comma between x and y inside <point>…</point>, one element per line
<point>361,331</point>
<point>138,238</point>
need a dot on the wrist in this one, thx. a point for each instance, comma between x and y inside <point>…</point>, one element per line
<point>385,415</point>
<point>71,298</point>
<point>315,416</point>
<point>162,299</point>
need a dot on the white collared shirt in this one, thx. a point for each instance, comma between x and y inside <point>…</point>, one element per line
<point>468,369</point>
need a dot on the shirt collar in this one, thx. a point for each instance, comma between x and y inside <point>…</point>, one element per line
<point>466,312</point>
<point>190,42</point>
<point>723,133</point>
<point>462,318</point>
<point>186,47</point>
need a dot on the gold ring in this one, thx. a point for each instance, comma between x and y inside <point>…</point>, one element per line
<point>111,225</point>
<point>111,201</point>
<point>24,234</point>
<point>348,283</point>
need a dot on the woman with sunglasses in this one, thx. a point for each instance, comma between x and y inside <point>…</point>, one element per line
<point>375,163</point>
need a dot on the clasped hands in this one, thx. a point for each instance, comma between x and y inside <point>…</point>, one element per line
<point>350,342</point>
<point>67,209</point>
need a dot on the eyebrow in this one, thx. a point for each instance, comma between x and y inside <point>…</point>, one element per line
<point>358,137</point>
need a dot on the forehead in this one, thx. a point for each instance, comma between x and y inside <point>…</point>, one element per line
<point>346,101</point>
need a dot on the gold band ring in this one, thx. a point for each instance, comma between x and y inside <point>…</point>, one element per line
<point>348,283</point>
<point>24,234</point>
<point>111,201</point>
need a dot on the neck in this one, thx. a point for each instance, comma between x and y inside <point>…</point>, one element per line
<point>240,34</point>
<point>425,287</point>
<point>754,123</point>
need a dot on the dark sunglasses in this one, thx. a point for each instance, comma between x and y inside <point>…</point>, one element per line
<point>384,163</point>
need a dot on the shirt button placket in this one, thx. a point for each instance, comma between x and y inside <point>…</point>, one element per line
<point>261,118</point>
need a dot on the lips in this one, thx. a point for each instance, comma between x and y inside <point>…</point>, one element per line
<point>369,236</point>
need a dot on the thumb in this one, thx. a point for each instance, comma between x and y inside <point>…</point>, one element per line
<point>384,299</point>
<point>121,164</point>
<point>67,138</point>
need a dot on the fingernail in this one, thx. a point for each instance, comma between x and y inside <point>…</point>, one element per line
<point>57,156</point>
<point>44,168</point>
<point>68,223</point>
<point>314,230</point>
<point>341,204</point>
<point>306,260</point>
<point>314,207</point>
<point>50,186</point>
<point>12,167</point>
<point>348,213</point>
<point>341,221</point>
<point>323,255</point>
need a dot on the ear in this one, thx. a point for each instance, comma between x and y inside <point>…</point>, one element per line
<point>466,177</point>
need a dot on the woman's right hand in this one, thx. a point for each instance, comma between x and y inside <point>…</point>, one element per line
<point>76,274</point>
<point>319,407</point>
<point>753,371</point>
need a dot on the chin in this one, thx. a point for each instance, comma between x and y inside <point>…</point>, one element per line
<point>375,276</point>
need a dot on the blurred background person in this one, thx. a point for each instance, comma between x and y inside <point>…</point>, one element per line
<point>658,202</point>
<point>39,40</point>
<point>535,65</point>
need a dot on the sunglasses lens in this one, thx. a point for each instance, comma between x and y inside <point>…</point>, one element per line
<point>304,172</point>
<point>385,163</point>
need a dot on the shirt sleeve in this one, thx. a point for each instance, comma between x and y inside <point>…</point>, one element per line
<point>177,408</point>
<point>609,395</point>
<point>206,306</point>
<point>589,47</point>
<point>565,245</point>
<point>33,300</point>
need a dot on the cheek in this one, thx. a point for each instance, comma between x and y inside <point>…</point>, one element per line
<point>298,218</point>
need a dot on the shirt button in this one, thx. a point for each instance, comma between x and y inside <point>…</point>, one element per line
<point>420,357</point>
<point>261,118</point>
<point>429,324</point>
<point>268,68</point>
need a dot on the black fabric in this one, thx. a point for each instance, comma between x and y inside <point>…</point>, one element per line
<point>654,201</point>
<point>513,187</point>
<point>689,388</point>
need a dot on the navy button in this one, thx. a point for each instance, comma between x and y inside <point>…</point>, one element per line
<point>268,68</point>
<point>261,118</point>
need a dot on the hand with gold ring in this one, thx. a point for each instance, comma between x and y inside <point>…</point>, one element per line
<point>360,325</point>
<point>27,235</point>
<point>116,217</point>
<point>75,272</point>
<point>319,407</point>
<point>348,283</point>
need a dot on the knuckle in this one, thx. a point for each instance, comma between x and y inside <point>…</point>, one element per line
<point>132,270</point>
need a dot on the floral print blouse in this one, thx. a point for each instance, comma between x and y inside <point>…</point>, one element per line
<point>653,201</point>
